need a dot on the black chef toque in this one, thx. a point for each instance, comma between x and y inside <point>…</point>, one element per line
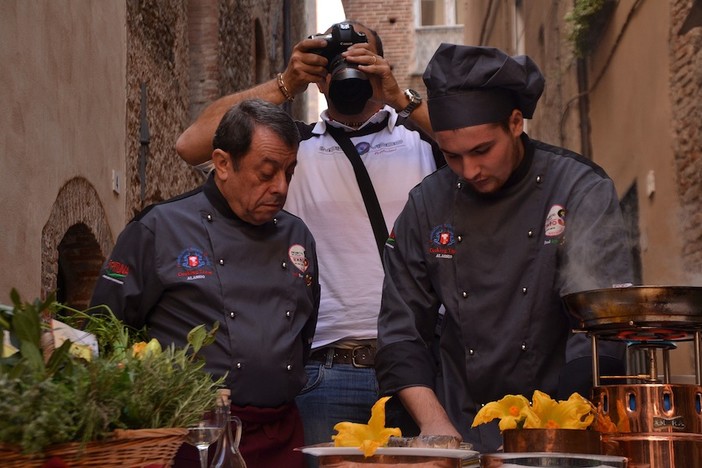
<point>468,85</point>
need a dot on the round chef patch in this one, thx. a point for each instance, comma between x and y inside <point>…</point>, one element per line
<point>298,258</point>
<point>555,221</point>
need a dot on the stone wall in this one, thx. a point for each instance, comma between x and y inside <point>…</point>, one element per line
<point>685,92</point>
<point>236,44</point>
<point>157,58</point>
<point>64,104</point>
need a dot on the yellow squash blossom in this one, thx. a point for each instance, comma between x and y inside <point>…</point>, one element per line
<point>81,351</point>
<point>367,437</point>
<point>515,412</point>
<point>530,418</point>
<point>574,413</point>
<point>508,409</point>
<point>7,349</point>
<point>142,350</point>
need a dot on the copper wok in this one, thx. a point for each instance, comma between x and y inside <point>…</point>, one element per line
<point>673,312</point>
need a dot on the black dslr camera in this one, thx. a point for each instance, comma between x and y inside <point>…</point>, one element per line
<point>349,88</point>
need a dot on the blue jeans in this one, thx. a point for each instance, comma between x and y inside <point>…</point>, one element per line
<point>342,392</point>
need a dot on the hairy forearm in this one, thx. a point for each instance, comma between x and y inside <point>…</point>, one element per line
<point>425,409</point>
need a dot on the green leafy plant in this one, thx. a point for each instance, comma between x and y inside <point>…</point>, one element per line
<point>586,21</point>
<point>131,385</point>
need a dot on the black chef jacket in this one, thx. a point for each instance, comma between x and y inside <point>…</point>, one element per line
<point>499,264</point>
<point>191,261</point>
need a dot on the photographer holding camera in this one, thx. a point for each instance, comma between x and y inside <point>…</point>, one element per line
<point>389,130</point>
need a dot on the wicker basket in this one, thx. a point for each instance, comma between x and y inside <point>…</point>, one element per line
<point>13,458</point>
<point>127,448</point>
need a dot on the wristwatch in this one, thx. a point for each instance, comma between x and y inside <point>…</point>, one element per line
<point>414,101</point>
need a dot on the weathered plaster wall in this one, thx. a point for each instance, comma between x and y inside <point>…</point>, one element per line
<point>631,120</point>
<point>63,93</point>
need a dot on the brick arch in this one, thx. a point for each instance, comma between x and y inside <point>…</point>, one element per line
<point>77,236</point>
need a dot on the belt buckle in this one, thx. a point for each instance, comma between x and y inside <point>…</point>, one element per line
<point>367,349</point>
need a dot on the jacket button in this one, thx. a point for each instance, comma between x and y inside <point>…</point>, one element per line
<point>275,220</point>
<point>459,185</point>
<point>232,314</point>
<point>283,265</point>
<point>459,238</point>
<point>209,217</point>
<point>238,365</point>
<point>287,313</point>
<point>530,234</point>
<point>524,346</point>
<point>221,261</point>
<point>539,179</point>
<point>471,352</point>
<point>524,290</point>
<point>288,367</point>
<point>464,294</point>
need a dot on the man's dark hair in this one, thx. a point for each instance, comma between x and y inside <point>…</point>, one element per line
<point>236,129</point>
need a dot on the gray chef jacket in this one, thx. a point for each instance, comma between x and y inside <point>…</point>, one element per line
<point>191,261</point>
<point>499,264</point>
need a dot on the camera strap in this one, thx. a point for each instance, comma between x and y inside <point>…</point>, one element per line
<point>370,199</point>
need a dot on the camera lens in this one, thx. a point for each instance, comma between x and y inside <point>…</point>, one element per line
<point>349,88</point>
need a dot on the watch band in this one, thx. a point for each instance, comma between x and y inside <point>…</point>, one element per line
<point>414,101</point>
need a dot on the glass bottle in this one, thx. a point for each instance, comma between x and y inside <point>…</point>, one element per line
<point>227,454</point>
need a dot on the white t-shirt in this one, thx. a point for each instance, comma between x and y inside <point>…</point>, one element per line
<point>325,194</point>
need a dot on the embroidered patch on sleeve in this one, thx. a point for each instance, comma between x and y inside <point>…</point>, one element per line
<point>115,271</point>
<point>391,240</point>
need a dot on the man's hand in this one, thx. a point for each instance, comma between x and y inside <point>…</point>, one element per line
<point>378,70</point>
<point>305,67</point>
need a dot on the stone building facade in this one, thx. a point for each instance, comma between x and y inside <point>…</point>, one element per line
<point>407,41</point>
<point>95,95</point>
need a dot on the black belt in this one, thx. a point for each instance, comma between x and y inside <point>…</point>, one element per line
<point>360,356</point>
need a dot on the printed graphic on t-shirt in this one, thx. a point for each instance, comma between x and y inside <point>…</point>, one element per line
<point>364,147</point>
